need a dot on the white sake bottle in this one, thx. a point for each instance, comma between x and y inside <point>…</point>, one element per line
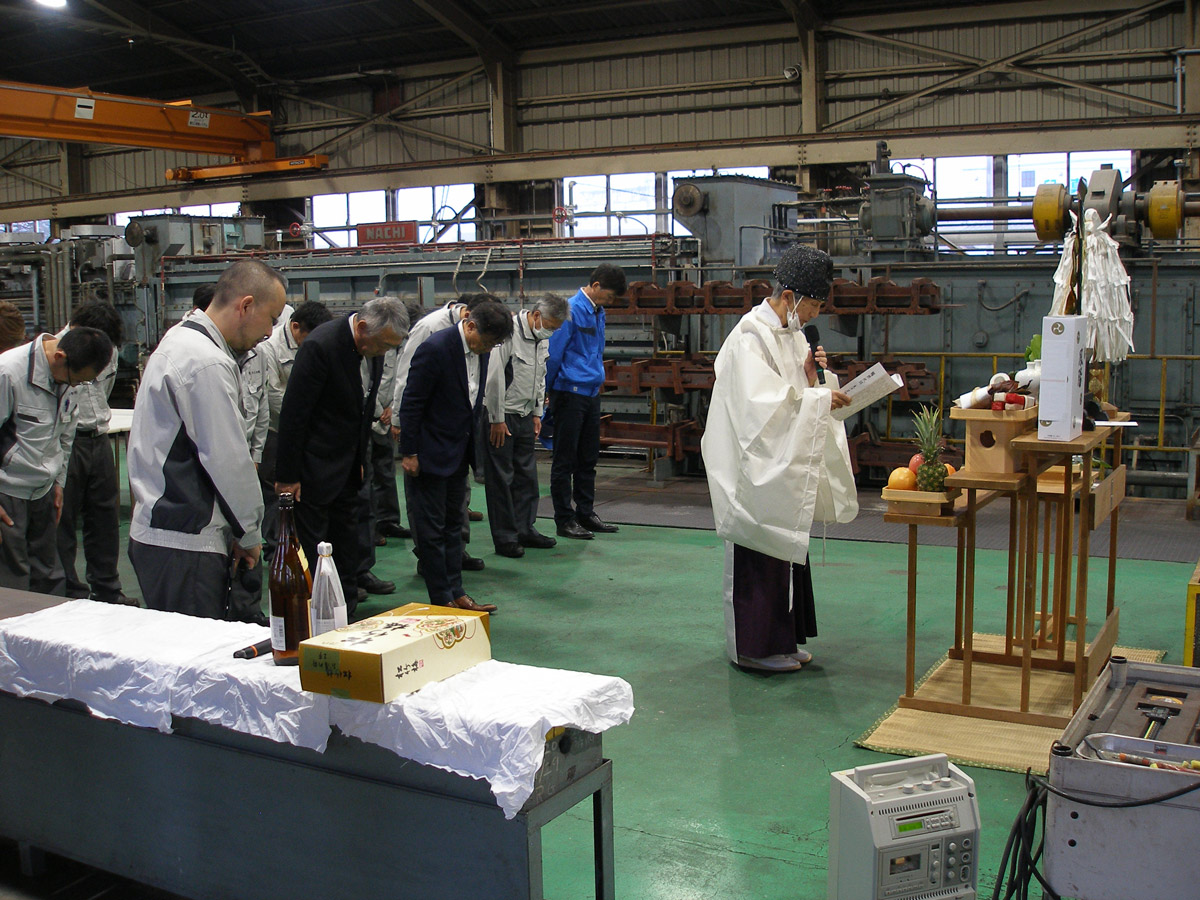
<point>328,601</point>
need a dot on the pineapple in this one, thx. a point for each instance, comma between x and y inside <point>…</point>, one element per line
<point>931,474</point>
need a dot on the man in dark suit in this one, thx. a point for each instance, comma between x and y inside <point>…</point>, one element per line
<point>324,431</point>
<point>439,413</point>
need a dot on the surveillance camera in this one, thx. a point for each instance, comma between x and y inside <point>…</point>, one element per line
<point>791,73</point>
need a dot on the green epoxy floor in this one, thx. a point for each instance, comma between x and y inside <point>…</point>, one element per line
<point>722,777</point>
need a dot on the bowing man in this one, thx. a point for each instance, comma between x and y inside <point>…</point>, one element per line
<point>439,412</point>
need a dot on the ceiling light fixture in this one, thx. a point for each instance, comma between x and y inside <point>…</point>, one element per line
<point>53,4</point>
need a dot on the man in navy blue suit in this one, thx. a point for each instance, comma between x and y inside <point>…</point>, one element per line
<point>439,412</point>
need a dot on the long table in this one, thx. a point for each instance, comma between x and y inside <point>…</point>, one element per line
<point>207,812</point>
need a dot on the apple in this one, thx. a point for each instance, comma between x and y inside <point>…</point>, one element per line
<point>916,462</point>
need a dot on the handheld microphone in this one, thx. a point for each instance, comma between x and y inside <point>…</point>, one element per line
<point>253,650</point>
<point>813,337</point>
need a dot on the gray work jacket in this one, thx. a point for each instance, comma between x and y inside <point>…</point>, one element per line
<point>37,423</point>
<point>194,485</point>
<point>527,391</point>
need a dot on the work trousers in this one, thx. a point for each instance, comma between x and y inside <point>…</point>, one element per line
<point>576,451</point>
<point>246,595</point>
<point>511,482</point>
<point>366,528</point>
<point>91,497</point>
<point>437,508</point>
<point>193,582</point>
<point>338,523</point>
<point>266,481</point>
<point>385,502</point>
<point>29,547</point>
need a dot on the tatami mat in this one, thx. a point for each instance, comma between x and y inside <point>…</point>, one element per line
<point>983,742</point>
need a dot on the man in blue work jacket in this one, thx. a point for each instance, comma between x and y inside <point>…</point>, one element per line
<point>574,377</point>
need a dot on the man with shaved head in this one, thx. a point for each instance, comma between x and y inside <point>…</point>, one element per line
<point>197,506</point>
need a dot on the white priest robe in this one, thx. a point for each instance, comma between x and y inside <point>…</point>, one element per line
<point>775,458</point>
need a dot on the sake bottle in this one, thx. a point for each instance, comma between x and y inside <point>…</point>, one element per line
<point>328,601</point>
<point>290,586</point>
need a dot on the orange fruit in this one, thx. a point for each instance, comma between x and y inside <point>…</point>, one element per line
<point>902,479</point>
<point>949,468</point>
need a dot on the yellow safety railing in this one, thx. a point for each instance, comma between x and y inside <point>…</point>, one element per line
<point>942,357</point>
<point>1189,625</point>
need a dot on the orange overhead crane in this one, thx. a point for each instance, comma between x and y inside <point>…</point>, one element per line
<point>60,114</point>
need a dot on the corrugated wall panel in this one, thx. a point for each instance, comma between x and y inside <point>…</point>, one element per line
<point>660,96</point>
<point>1139,76</point>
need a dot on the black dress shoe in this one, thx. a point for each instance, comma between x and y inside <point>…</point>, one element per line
<point>471,563</point>
<point>593,524</point>
<point>574,530</point>
<point>537,540</point>
<point>373,585</point>
<point>391,529</point>
<point>381,541</point>
<point>513,550</point>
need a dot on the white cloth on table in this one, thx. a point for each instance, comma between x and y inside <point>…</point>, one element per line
<point>489,721</point>
<point>142,666</point>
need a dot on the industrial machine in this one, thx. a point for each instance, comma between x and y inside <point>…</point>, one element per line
<point>903,830</point>
<point>1124,787</point>
<point>942,316</point>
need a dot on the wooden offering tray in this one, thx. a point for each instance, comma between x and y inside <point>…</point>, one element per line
<point>921,503</point>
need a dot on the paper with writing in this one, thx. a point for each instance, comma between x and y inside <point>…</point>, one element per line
<point>873,384</point>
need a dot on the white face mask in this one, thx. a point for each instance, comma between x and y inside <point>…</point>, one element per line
<point>793,317</point>
<point>541,332</point>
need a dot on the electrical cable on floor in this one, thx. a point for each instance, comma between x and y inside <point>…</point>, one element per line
<point>1021,853</point>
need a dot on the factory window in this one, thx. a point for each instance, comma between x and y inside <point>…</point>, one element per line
<point>1028,170</point>
<point>434,209</point>
<point>618,205</point>
<point>953,177</point>
<point>40,226</point>
<point>588,196</point>
<point>334,215</point>
<point>219,210</point>
<point>453,213</point>
<point>122,218</point>
<point>1082,164</point>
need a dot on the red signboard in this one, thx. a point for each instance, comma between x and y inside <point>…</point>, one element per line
<point>388,233</point>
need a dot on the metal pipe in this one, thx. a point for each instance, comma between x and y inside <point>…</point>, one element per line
<point>1146,478</point>
<point>1162,402</point>
<point>975,213</point>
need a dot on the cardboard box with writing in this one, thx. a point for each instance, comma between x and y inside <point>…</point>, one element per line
<point>394,653</point>
<point>1064,378</point>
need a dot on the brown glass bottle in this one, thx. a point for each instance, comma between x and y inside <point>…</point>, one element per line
<point>291,588</point>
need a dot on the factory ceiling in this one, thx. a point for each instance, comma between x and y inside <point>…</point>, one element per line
<point>175,49</point>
